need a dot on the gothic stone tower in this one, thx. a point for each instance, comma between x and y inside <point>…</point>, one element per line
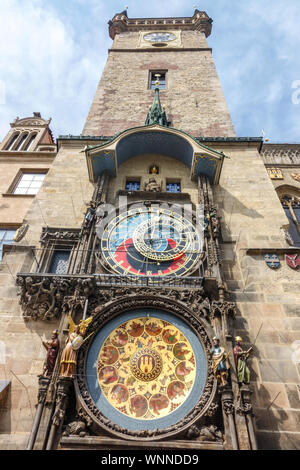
<point>146,242</point>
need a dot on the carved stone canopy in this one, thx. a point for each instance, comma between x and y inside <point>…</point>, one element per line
<point>111,312</point>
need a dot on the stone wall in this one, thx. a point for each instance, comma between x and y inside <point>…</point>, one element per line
<point>14,207</point>
<point>122,99</point>
<point>266,298</point>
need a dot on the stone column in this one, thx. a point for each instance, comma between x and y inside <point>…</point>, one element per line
<point>247,410</point>
<point>64,386</point>
<point>42,393</point>
<point>228,418</point>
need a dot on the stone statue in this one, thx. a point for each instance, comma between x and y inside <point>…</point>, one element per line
<point>73,343</point>
<point>89,216</point>
<point>240,358</point>
<point>219,362</point>
<point>152,185</point>
<point>52,347</point>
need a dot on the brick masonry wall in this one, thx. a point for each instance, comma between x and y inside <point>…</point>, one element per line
<point>194,99</point>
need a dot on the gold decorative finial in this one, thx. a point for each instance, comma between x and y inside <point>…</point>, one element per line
<point>157,75</point>
<point>195,6</point>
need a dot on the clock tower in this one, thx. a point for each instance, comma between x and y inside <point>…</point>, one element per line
<point>177,49</point>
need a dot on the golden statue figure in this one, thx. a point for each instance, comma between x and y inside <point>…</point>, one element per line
<point>73,343</point>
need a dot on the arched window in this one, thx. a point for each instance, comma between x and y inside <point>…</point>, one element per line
<point>29,142</point>
<point>21,141</point>
<point>291,205</point>
<point>12,141</point>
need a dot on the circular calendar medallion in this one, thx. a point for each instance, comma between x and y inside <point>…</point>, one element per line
<point>147,356</point>
<point>146,370</point>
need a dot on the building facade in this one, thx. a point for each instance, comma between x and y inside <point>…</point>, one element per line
<point>150,298</point>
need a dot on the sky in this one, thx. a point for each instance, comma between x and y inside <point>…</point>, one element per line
<point>52,53</point>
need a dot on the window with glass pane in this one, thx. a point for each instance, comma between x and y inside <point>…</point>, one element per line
<point>161,79</point>
<point>29,183</point>
<point>132,185</point>
<point>6,238</point>
<point>173,187</point>
<point>59,262</point>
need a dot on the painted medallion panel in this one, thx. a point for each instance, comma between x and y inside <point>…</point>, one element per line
<point>149,369</point>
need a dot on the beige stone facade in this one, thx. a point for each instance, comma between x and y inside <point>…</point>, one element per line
<point>253,224</point>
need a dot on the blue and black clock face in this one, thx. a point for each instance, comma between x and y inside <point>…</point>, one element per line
<point>159,37</point>
<point>152,242</point>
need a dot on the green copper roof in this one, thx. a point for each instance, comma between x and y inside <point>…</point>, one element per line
<point>156,114</point>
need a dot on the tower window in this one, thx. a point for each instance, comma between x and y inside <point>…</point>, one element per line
<point>21,141</point>
<point>29,183</point>
<point>6,238</point>
<point>133,185</point>
<point>12,141</point>
<point>30,141</point>
<point>157,75</point>
<point>59,262</point>
<point>173,187</point>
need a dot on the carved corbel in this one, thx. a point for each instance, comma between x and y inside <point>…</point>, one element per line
<point>64,385</point>
<point>43,388</point>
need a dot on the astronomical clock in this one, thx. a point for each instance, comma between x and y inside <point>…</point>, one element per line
<point>153,242</point>
<point>145,342</point>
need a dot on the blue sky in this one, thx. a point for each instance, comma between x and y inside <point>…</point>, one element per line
<point>52,54</point>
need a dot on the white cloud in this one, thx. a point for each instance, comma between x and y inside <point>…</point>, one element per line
<point>46,65</point>
<point>53,53</point>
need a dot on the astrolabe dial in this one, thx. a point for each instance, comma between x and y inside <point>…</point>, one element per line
<point>151,241</point>
<point>161,239</point>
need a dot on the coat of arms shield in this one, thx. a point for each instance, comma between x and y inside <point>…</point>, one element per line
<point>272,260</point>
<point>293,261</point>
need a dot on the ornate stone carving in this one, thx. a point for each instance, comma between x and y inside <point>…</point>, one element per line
<point>106,313</point>
<point>244,402</point>
<point>227,401</point>
<point>228,407</point>
<point>205,434</point>
<point>281,153</point>
<point>222,308</point>
<point>55,234</point>
<point>244,408</point>
<point>153,185</point>
<point>45,298</point>
<point>80,426</point>
<point>41,298</point>
<point>212,410</point>
<point>43,387</point>
<point>64,385</point>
